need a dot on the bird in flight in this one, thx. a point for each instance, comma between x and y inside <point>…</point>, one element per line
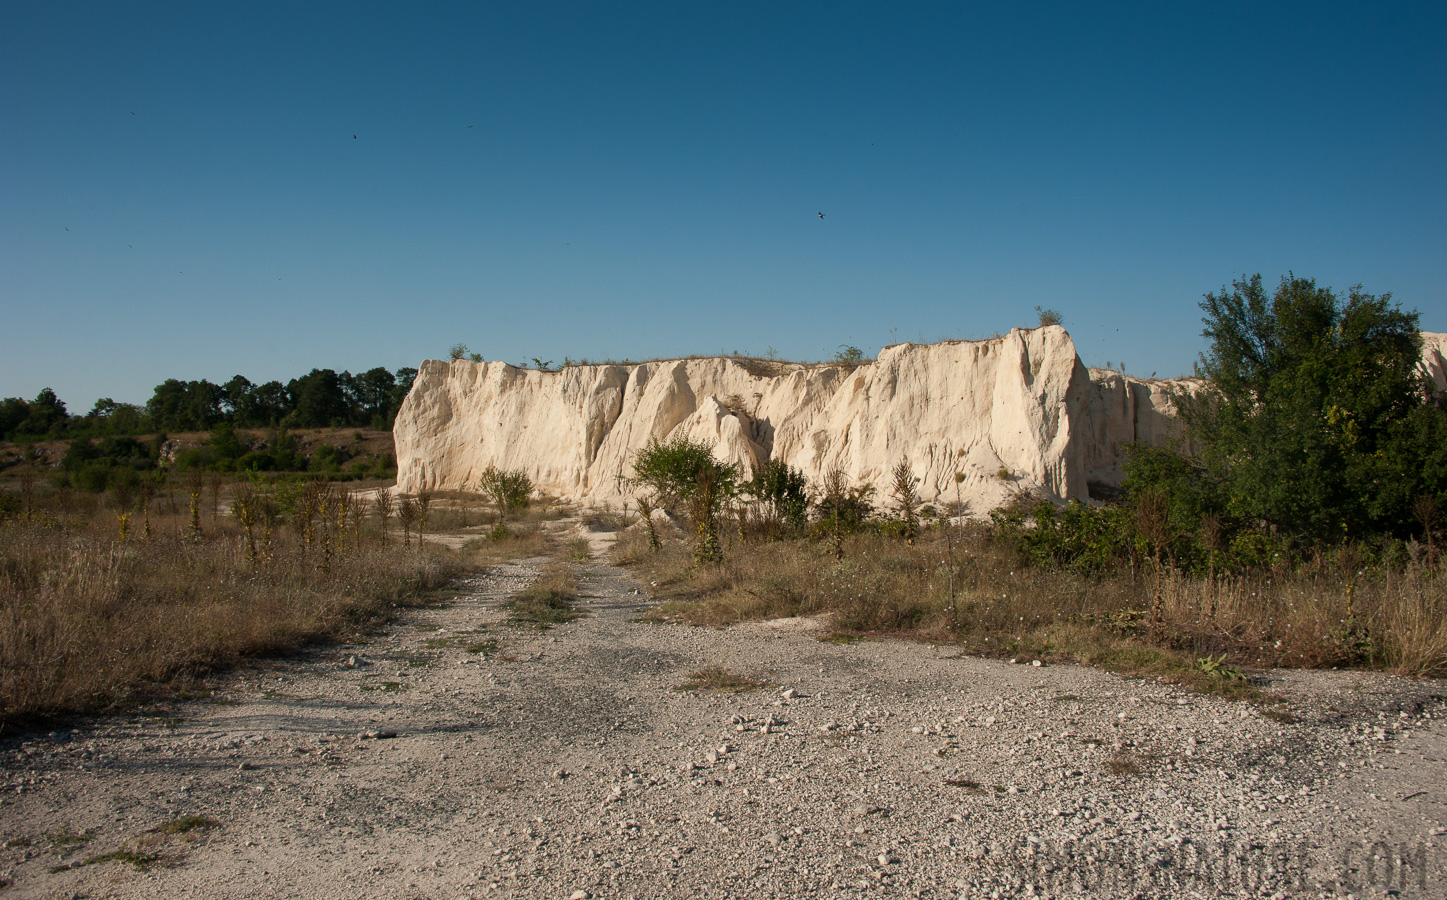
<point>821,215</point>
<point>469,126</point>
<point>354,137</point>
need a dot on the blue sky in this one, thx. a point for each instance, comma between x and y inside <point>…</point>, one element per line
<point>181,194</point>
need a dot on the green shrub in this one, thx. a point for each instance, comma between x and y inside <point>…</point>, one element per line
<point>511,491</point>
<point>672,469</point>
<point>784,493</point>
<point>326,459</point>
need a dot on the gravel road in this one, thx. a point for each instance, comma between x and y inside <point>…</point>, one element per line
<point>455,756</point>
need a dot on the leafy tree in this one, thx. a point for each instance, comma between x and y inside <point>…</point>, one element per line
<point>405,377</point>
<point>317,399</point>
<point>226,446</point>
<point>46,415</point>
<point>373,395</point>
<point>1315,419</point>
<point>685,471</point>
<point>109,417</point>
<point>80,452</point>
<point>672,469</point>
<point>268,404</point>
<point>239,400</point>
<point>13,411</point>
<point>186,405</point>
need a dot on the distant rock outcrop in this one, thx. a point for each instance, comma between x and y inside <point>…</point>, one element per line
<point>1014,413</point>
<point>1434,358</point>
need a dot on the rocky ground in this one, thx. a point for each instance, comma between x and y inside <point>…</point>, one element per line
<point>457,756</point>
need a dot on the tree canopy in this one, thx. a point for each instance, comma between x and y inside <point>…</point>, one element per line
<point>1315,419</point>
<point>319,399</point>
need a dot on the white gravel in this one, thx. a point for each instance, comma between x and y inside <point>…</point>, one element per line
<point>565,765</point>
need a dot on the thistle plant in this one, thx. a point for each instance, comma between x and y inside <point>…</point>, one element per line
<point>424,507</point>
<point>908,500</point>
<point>703,509</point>
<point>123,493</point>
<point>145,491</point>
<point>382,506</point>
<point>407,513</point>
<point>195,482</point>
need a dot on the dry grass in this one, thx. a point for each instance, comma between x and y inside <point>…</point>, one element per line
<point>1123,764</point>
<point>510,541</point>
<point>88,621</point>
<point>1195,632</point>
<point>548,601</point>
<point>579,550</point>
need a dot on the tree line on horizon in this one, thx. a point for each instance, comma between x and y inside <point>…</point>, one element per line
<point>323,398</point>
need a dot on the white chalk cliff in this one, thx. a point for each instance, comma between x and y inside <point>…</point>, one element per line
<point>1022,405</point>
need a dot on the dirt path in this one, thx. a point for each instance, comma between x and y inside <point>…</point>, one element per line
<point>563,764</point>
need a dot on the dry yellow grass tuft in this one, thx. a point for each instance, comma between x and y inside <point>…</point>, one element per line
<point>968,590</point>
<point>88,620</point>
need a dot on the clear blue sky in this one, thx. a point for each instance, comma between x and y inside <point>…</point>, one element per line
<point>181,194</point>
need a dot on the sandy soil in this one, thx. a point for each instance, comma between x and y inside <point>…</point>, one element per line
<point>455,756</point>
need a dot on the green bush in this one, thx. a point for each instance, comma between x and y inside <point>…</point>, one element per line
<point>1079,538</point>
<point>841,504</point>
<point>672,469</point>
<point>682,470</point>
<point>326,459</point>
<point>511,491</point>
<point>94,477</point>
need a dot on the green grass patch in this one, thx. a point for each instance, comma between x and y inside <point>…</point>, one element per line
<point>844,637</point>
<point>546,602</point>
<point>186,825</point>
<point>142,861</point>
<point>579,549</point>
<point>718,680</point>
<point>68,837</point>
<point>487,647</point>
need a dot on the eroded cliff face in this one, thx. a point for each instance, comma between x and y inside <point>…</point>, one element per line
<point>1125,410</point>
<point>1022,405</point>
<point>977,407</point>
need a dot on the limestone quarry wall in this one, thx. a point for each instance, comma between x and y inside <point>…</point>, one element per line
<point>1023,403</point>
<point>1125,410</point>
<point>1013,403</point>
